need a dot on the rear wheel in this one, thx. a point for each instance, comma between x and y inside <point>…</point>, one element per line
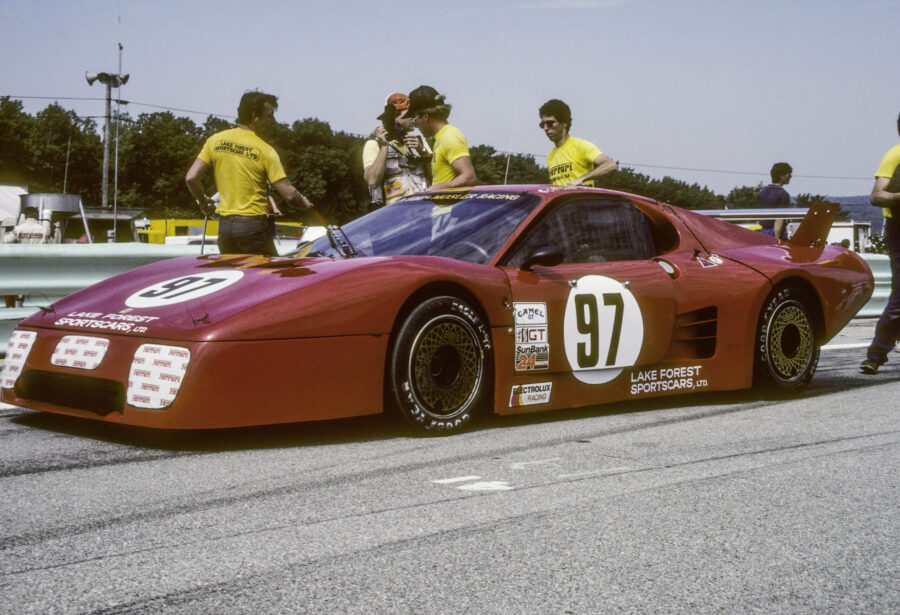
<point>441,367</point>
<point>787,351</point>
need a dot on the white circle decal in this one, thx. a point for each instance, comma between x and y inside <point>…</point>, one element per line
<point>604,329</point>
<point>183,288</point>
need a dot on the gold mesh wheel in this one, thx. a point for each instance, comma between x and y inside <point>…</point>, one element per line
<point>445,364</point>
<point>790,342</point>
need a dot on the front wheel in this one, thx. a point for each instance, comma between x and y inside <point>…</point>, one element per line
<point>441,367</point>
<point>787,352</point>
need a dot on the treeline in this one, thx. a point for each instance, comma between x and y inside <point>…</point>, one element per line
<point>56,151</point>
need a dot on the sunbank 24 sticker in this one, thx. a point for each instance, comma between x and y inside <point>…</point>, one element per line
<point>604,329</point>
<point>183,288</point>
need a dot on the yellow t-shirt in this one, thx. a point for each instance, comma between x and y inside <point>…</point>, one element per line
<point>887,168</point>
<point>571,160</point>
<point>449,146</point>
<point>243,164</point>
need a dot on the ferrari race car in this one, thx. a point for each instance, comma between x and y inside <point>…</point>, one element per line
<point>443,306</point>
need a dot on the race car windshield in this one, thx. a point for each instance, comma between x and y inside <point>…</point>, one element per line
<point>466,226</point>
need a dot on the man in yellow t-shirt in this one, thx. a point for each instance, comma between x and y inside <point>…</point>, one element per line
<point>886,194</point>
<point>572,162</point>
<point>244,167</point>
<point>451,164</point>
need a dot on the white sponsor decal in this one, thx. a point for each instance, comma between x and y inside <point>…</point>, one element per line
<point>530,313</point>
<point>667,379</point>
<point>530,394</point>
<point>603,329</point>
<point>531,357</point>
<point>156,375</point>
<point>20,343</point>
<point>184,288</point>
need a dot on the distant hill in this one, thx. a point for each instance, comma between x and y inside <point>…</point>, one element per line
<point>860,210</point>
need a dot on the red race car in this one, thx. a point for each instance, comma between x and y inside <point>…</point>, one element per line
<point>443,306</point>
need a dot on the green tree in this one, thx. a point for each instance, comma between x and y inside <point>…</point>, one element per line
<point>493,167</point>
<point>155,154</point>
<point>744,197</point>
<point>15,154</point>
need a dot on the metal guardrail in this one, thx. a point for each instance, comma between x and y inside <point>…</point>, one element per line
<point>41,274</point>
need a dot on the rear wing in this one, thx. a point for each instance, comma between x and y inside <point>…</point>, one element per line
<point>813,231</point>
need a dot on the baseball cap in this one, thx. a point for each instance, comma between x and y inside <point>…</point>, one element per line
<point>424,97</point>
<point>399,100</point>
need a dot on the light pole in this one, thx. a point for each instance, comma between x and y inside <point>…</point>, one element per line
<point>111,81</point>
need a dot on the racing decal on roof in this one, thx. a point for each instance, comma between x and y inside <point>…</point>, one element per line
<point>603,329</point>
<point>184,288</point>
<point>532,347</point>
<point>530,394</point>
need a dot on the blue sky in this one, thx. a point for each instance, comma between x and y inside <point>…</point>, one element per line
<point>679,88</point>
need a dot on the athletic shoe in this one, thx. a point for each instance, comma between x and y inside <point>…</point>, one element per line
<point>869,366</point>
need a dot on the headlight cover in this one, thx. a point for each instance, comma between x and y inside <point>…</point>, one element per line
<point>156,374</point>
<point>20,343</point>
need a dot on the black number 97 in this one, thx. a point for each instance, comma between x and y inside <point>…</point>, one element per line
<point>586,319</point>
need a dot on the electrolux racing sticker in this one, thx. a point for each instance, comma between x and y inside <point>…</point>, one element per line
<point>530,394</point>
<point>660,380</point>
<point>603,329</point>
<point>532,347</point>
<point>184,288</point>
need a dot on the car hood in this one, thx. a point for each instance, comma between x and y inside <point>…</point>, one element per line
<point>218,298</point>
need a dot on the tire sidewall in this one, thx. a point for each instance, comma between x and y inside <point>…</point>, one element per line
<point>412,410</point>
<point>765,370</point>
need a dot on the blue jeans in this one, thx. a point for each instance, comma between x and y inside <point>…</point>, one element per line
<point>887,331</point>
<point>246,235</point>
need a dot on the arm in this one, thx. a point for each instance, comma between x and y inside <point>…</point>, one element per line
<point>374,173</point>
<point>603,164</point>
<point>880,196</point>
<point>465,174</point>
<point>778,228</point>
<point>291,195</point>
<point>194,181</point>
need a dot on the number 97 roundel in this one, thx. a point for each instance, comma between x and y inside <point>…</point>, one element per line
<point>183,288</point>
<point>603,329</point>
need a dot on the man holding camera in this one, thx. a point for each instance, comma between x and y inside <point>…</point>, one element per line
<point>396,162</point>
<point>244,166</point>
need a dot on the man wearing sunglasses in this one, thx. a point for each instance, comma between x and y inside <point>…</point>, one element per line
<point>573,161</point>
<point>451,164</point>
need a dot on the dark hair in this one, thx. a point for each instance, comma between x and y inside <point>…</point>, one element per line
<point>558,109</point>
<point>253,103</point>
<point>779,169</point>
<point>898,124</point>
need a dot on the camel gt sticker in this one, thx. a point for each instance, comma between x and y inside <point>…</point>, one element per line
<point>603,329</point>
<point>184,288</point>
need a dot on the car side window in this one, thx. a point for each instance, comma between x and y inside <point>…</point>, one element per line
<point>590,230</point>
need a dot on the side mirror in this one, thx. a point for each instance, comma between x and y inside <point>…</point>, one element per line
<point>547,256</point>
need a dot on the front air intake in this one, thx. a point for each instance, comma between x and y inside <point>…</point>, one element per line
<point>72,391</point>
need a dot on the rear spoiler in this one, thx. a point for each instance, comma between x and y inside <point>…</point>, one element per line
<point>813,231</point>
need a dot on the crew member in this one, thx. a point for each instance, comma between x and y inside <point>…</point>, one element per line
<point>396,162</point>
<point>451,164</point>
<point>774,195</point>
<point>886,194</point>
<point>572,161</point>
<point>244,166</point>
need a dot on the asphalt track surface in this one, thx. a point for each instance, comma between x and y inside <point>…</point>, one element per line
<point>712,503</point>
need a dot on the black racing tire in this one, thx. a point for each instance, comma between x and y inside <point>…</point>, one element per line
<point>441,366</point>
<point>787,348</point>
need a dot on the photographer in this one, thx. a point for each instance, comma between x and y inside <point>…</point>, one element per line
<point>396,162</point>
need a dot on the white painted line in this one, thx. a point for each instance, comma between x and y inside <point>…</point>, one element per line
<point>843,346</point>
<point>595,472</point>
<point>496,485</point>
<point>458,479</point>
<point>520,465</point>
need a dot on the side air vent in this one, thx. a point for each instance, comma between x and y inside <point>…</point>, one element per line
<point>695,334</point>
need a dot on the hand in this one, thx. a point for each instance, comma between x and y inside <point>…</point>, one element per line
<point>306,202</point>
<point>574,182</point>
<point>414,143</point>
<point>381,135</point>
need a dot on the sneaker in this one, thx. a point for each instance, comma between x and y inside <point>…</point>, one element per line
<point>869,366</point>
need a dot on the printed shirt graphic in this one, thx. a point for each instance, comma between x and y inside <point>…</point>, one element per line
<point>889,168</point>
<point>242,163</point>
<point>449,146</point>
<point>571,160</point>
<point>403,174</point>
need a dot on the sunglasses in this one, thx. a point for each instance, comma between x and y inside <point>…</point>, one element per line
<point>548,124</point>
